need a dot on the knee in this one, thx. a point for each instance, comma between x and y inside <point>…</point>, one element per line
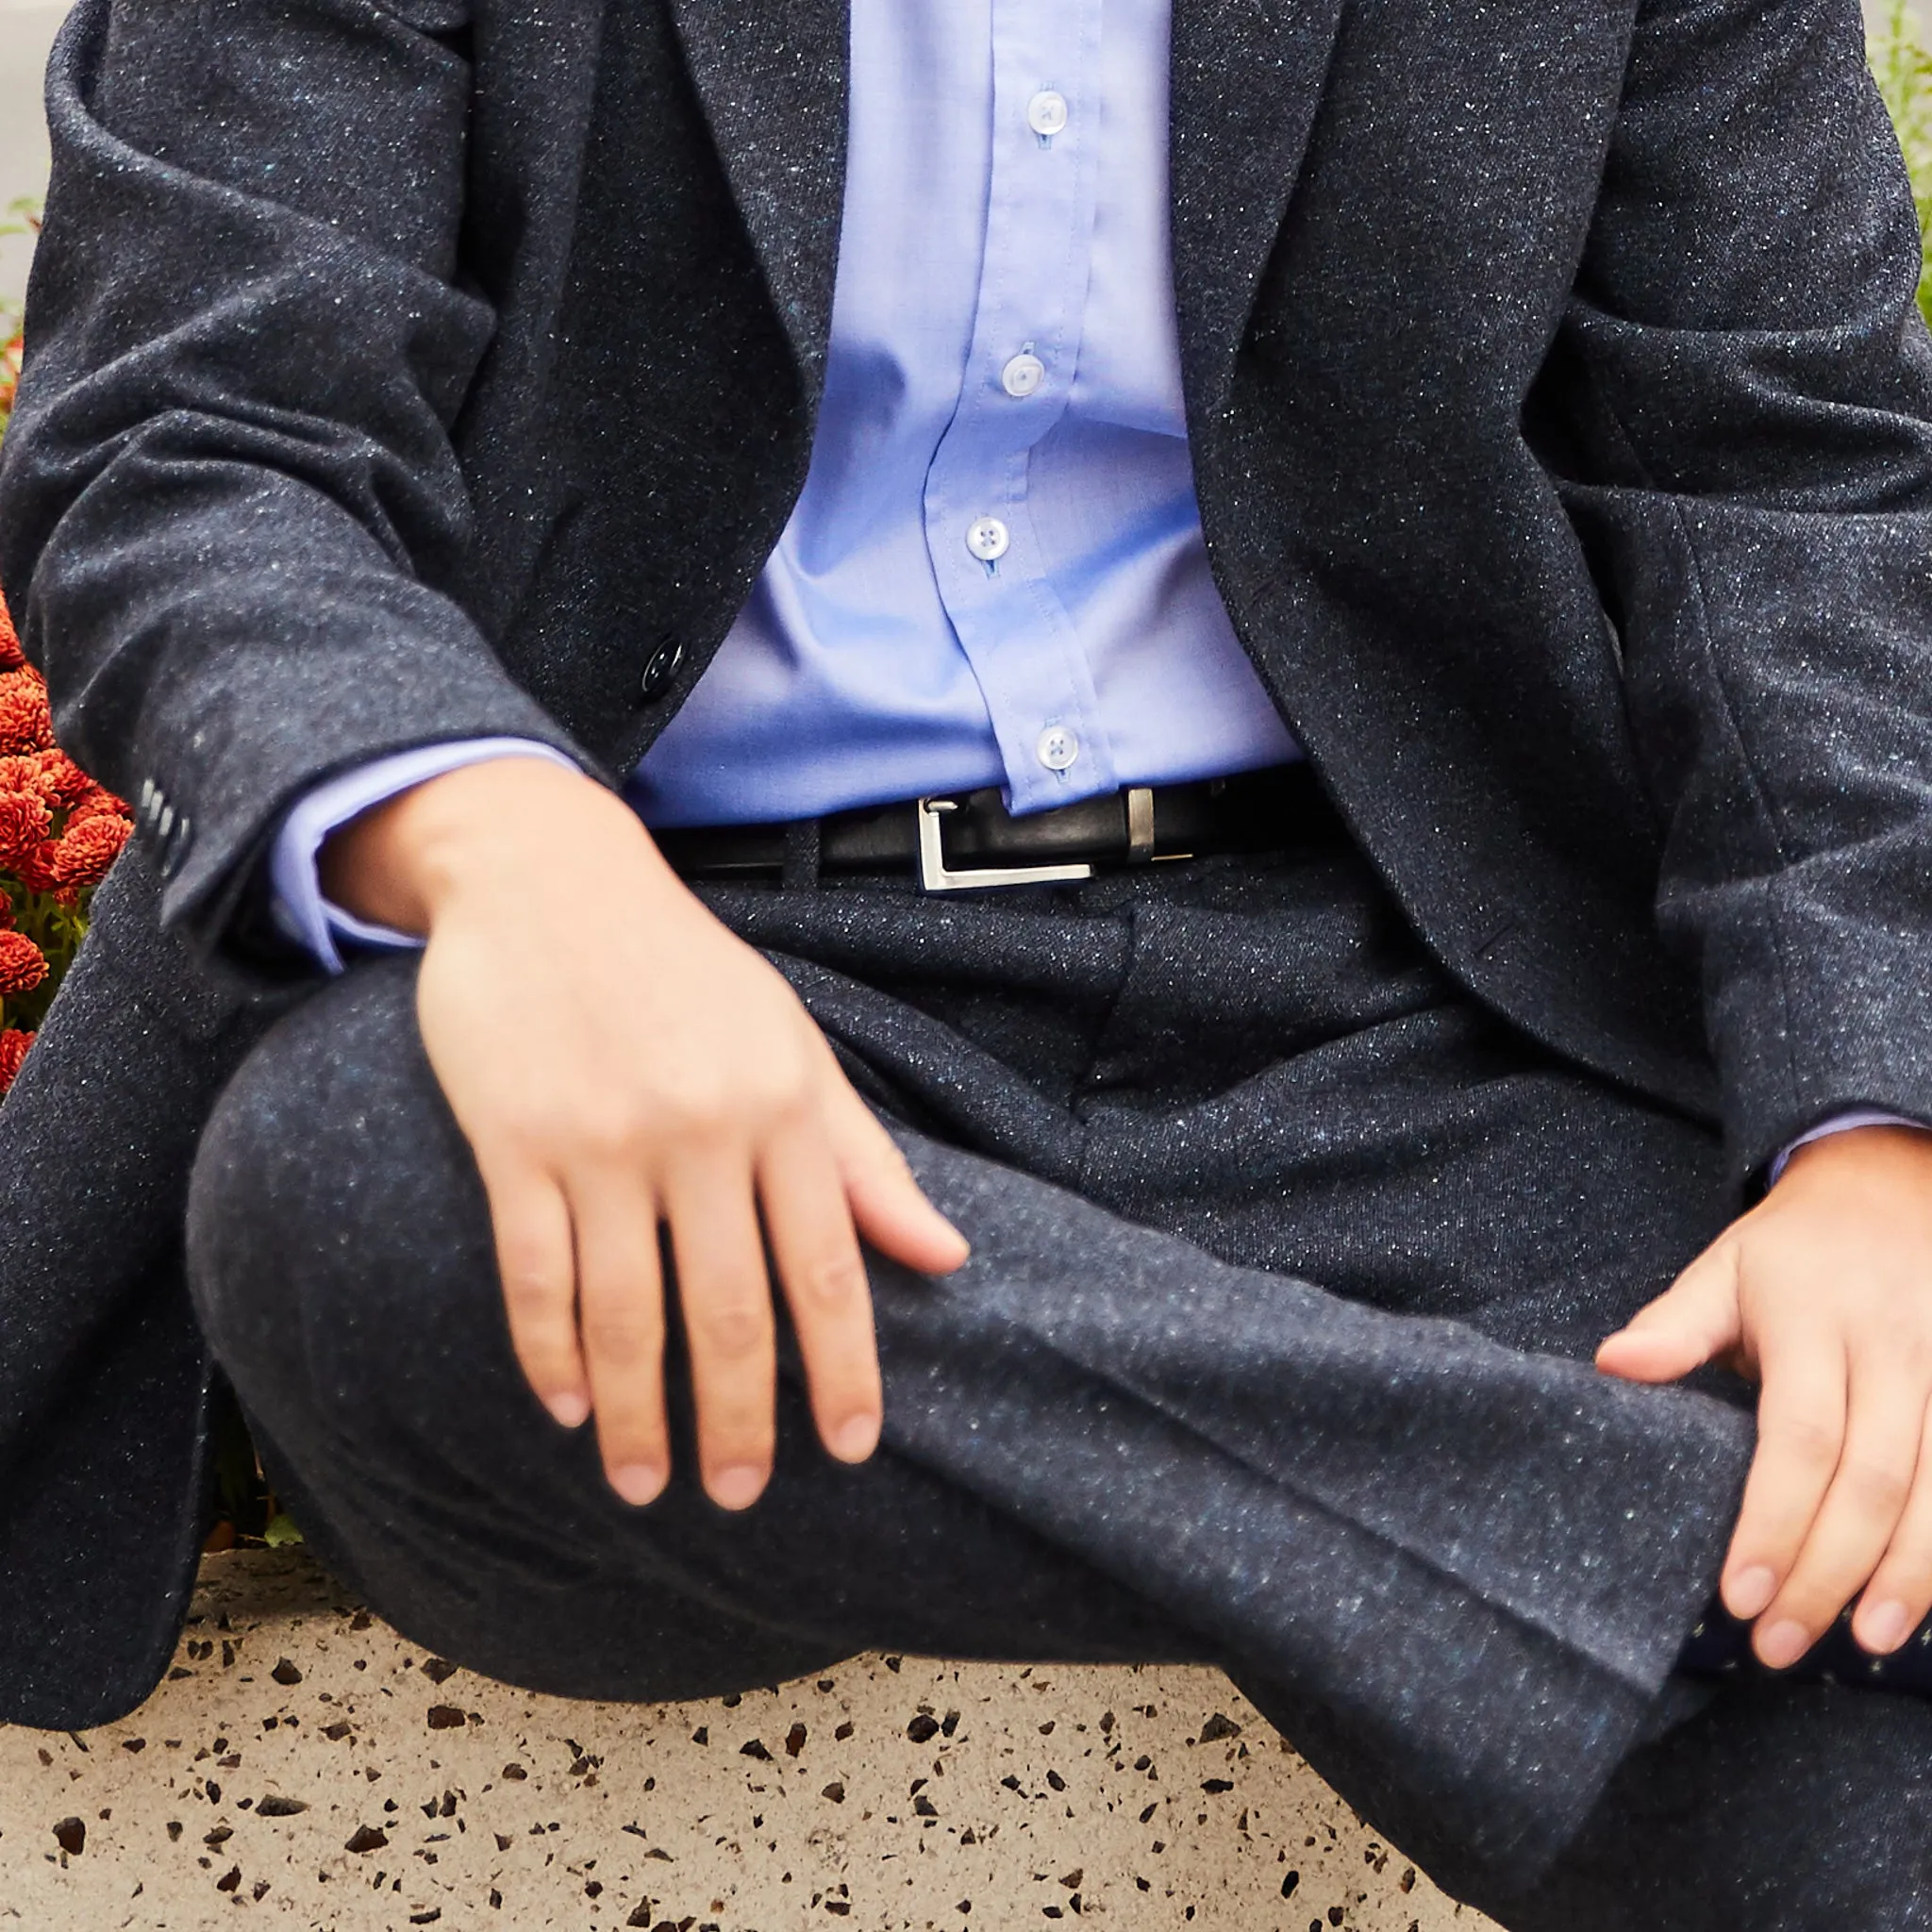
<point>306,1139</point>
<point>334,1212</point>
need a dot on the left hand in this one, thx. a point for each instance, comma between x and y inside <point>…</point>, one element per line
<point>1822,1294</point>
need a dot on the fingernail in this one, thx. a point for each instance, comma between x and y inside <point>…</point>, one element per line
<point>638,1483</point>
<point>1783,1645</point>
<point>570,1409</point>
<point>856,1438</point>
<point>738,1486</point>
<point>1884,1628</point>
<point>1750,1591</point>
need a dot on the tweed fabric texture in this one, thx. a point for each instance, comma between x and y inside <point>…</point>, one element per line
<point>102,1373</point>
<point>1159,1107</point>
<point>1775,1808</point>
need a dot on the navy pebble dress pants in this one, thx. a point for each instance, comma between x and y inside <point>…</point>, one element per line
<point>1288,1261</point>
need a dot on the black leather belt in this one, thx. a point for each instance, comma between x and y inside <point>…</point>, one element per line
<point>971,840</point>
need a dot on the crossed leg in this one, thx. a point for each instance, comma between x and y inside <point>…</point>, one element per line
<point>1451,1561</point>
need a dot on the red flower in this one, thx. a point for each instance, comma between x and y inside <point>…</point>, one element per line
<point>25,772</point>
<point>26,723</point>
<point>25,822</point>
<point>11,657</point>
<point>97,802</point>
<point>22,965</point>
<point>13,1046</point>
<point>35,870</point>
<point>88,849</point>
<point>12,355</point>
<point>65,782</point>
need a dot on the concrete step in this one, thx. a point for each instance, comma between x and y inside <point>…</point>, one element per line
<point>305,1763</point>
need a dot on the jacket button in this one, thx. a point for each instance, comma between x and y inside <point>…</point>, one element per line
<point>661,668</point>
<point>174,850</point>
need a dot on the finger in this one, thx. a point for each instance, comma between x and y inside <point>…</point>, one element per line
<point>886,1202</point>
<point>534,1257</point>
<point>809,1226</point>
<point>1899,1596</point>
<point>1859,1518</point>
<point>727,1300</point>
<point>621,1314</point>
<point>1693,1322</point>
<point>1801,1429</point>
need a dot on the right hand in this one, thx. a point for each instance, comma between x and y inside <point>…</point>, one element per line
<point>620,1061</point>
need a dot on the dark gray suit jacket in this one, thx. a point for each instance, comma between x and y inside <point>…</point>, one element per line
<point>1563,433</point>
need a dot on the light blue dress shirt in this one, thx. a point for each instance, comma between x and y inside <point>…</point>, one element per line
<point>996,575</point>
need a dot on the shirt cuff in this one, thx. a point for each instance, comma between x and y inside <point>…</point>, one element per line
<point>297,905</point>
<point>1839,1124</point>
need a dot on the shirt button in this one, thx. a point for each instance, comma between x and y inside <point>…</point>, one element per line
<point>1046,112</point>
<point>1057,748</point>
<point>1022,375</point>
<point>987,537</point>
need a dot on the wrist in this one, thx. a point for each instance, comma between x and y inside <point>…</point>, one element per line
<point>1862,1153</point>
<point>505,827</point>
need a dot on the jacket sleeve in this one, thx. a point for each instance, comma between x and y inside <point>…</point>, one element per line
<point>1739,408</point>
<point>231,514</point>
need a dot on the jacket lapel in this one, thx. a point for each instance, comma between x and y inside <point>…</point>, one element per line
<point>772,76</point>
<point>1246,77</point>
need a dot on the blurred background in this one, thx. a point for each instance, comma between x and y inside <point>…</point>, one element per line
<point>26,32</point>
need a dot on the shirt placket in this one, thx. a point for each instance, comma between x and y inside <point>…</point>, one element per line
<point>993,577</point>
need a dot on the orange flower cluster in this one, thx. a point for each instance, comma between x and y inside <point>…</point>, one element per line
<point>9,382</point>
<point>59,832</point>
<point>22,965</point>
<point>26,725</point>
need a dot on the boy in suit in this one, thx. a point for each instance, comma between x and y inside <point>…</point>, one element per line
<point>1143,759</point>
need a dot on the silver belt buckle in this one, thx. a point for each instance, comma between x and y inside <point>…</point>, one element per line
<point>935,875</point>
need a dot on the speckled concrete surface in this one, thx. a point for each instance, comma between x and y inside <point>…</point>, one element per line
<point>303,1761</point>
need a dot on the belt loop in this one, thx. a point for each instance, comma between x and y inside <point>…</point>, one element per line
<point>800,872</point>
<point>1140,823</point>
